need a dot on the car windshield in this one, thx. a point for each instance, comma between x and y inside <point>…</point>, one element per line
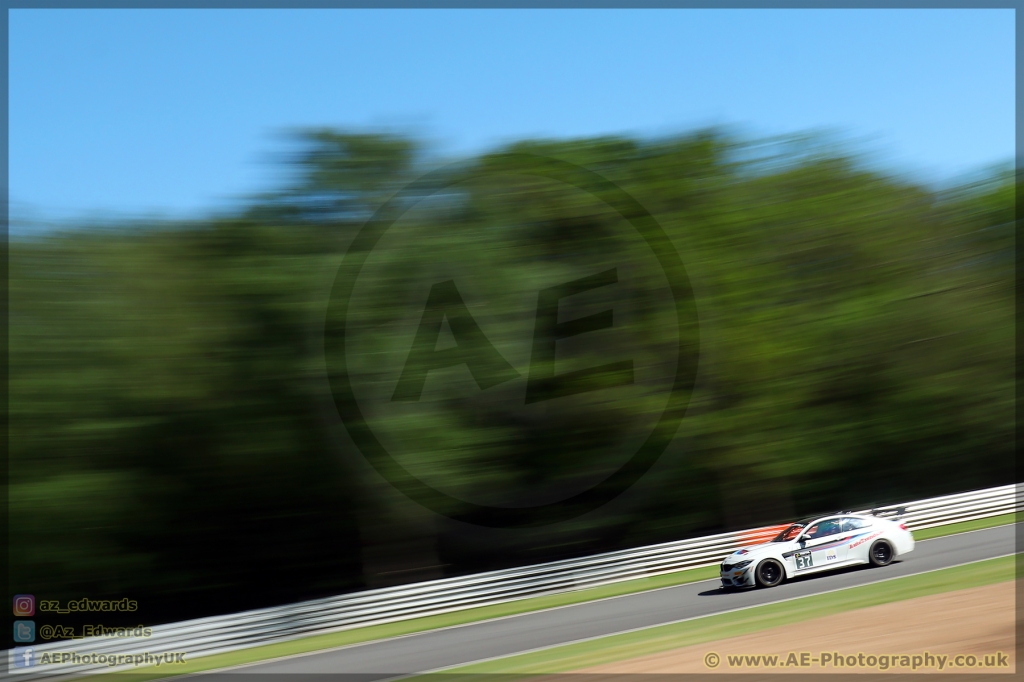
<point>790,533</point>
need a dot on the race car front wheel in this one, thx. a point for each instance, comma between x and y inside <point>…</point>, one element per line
<point>881,553</point>
<point>769,573</point>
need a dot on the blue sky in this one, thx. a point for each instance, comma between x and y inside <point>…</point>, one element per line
<point>177,112</point>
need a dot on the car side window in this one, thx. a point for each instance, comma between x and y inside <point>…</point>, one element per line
<point>823,528</point>
<point>852,523</point>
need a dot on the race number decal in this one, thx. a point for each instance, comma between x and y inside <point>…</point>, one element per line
<point>803,560</point>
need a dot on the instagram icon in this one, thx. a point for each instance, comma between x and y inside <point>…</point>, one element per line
<point>24,605</point>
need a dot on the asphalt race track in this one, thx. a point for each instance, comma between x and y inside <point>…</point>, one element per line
<point>500,637</point>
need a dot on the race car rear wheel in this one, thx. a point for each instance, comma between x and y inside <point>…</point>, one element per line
<point>880,553</point>
<point>769,573</point>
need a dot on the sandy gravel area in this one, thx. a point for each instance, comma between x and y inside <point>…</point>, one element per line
<point>977,622</point>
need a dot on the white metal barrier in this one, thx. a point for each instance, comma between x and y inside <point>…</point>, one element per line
<point>219,634</point>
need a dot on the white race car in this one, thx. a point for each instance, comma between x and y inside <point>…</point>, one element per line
<point>818,544</point>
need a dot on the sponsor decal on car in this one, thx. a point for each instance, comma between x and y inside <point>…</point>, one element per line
<point>831,555</point>
<point>862,541</point>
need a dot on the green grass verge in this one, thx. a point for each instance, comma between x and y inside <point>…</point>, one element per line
<point>374,632</point>
<point>700,630</point>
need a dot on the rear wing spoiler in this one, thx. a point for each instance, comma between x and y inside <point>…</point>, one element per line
<point>898,512</point>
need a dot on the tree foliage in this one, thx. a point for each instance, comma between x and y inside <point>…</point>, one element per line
<point>173,435</point>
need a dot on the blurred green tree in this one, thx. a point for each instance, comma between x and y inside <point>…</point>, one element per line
<point>173,438</point>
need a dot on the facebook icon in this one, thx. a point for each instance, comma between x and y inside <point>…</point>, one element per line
<point>24,657</point>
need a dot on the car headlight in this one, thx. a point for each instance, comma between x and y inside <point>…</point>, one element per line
<point>742,564</point>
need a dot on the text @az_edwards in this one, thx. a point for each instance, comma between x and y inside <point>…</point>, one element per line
<point>93,630</point>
